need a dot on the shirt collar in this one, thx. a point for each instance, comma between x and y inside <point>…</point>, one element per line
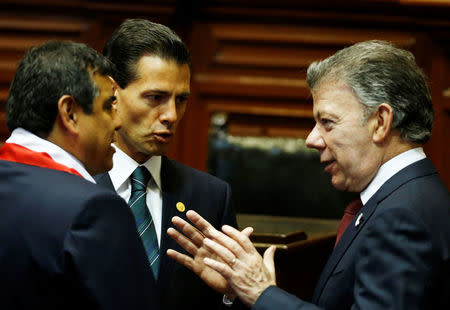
<point>32,142</point>
<point>124,165</point>
<point>389,168</point>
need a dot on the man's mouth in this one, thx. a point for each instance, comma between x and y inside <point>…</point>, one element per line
<point>163,137</point>
<point>329,165</point>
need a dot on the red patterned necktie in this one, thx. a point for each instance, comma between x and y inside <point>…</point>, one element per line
<point>349,213</point>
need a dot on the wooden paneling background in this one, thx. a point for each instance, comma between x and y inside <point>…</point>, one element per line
<point>249,57</point>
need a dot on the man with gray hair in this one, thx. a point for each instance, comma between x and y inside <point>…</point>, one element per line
<point>373,113</point>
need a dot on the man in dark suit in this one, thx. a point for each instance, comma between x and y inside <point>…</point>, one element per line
<point>373,113</point>
<point>65,243</point>
<point>154,74</point>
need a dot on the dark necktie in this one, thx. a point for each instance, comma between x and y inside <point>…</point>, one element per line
<point>349,213</point>
<point>144,222</point>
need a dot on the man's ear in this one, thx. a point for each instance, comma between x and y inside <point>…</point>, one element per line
<point>384,117</point>
<point>68,111</point>
<point>114,85</point>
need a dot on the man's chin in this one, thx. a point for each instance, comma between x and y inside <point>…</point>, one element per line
<point>159,150</point>
<point>338,184</point>
<point>341,185</point>
<point>106,166</point>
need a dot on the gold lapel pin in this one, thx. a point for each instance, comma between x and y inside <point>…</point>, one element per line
<point>180,206</point>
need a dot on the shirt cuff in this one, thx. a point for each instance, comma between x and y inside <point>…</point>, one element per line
<point>227,301</point>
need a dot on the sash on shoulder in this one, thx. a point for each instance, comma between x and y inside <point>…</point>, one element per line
<point>19,154</point>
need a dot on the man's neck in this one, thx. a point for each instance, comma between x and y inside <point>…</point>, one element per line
<point>56,151</point>
<point>137,156</point>
<point>396,146</point>
<point>64,141</point>
<point>389,169</point>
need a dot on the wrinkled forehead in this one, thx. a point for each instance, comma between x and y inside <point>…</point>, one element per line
<point>334,97</point>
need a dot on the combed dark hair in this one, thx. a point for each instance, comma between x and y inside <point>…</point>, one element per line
<point>138,37</point>
<point>379,72</point>
<point>45,74</point>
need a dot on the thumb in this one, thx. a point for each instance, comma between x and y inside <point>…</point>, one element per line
<point>269,261</point>
<point>247,231</point>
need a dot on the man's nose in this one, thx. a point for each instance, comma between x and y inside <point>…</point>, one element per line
<point>315,139</point>
<point>169,112</point>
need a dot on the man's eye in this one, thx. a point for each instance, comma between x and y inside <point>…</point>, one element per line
<point>326,122</point>
<point>154,97</point>
<point>182,100</point>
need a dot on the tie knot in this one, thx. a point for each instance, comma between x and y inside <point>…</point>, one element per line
<point>139,178</point>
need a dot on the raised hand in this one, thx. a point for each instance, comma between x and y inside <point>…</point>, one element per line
<point>231,255</point>
<point>192,242</point>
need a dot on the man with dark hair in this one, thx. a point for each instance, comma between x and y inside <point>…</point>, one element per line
<point>65,243</point>
<point>154,74</point>
<point>373,113</point>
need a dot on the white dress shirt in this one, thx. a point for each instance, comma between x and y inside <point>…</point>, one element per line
<point>123,167</point>
<point>389,168</point>
<point>32,142</point>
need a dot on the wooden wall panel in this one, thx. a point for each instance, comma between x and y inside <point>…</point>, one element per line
<point>259,70</point>
<point>32,22</point>
<point>249,56</point>
<point>18,33</point>
<point>438,148</point>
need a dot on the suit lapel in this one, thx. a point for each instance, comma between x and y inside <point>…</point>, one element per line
<point>170,196</point>
<point>104,180</point>
<point>344,243</point>
<point>172,192</point>
<point>417,169</point>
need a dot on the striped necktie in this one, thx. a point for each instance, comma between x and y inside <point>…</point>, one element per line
<point>144,222</point>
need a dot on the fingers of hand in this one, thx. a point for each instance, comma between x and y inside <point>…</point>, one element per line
<point>221,268</point>
<point>235,246</point>
<point>205,227</point>
<point>231,244</point>
<point>225,254</point>
<point>241,238</point>
<point>269,260</point>
<point>184,242</point>
<point>269,253</point>
<point>181,258</point>
<point>190,231</point>
<point>247,231</point>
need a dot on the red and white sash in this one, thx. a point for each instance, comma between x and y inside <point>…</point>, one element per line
<point>19,154</point>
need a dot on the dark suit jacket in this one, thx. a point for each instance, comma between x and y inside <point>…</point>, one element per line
<point>178,287</point>
<point>397,258</point>
<point>66,243</point>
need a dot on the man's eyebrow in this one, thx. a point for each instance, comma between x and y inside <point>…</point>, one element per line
<point>154,91</point>
<point>186,94</point>
<point>162,92</point>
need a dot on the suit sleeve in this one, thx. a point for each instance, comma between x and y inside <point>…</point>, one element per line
<point>105,252</point>
<point>229,213</point>
<point>275,298</point>
<point>392,269</point>
<point>395,263</point>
